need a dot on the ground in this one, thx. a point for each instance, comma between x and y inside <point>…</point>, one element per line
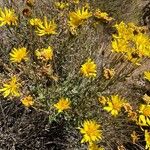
<point>30,129</point>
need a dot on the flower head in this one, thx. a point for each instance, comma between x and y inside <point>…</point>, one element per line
<point>103,100</point>
<point>8,17</point>
<point>27,101</point>
<point>91,131</point>
<point>62,104</point>
<point>138,29</point>
<point>61,5</point>
<point>102,15</point>
<point>147,75</point>
<point>147,139</point>
<point>44,53</point>
<point>88,69</point>
<point>144,115</point>
<point>120,45</point>
<point>114,105</point>
<point>142,42</point>
<point>146,98</point>
<point>93,146</point>
<point>17,55</point>
<point>124,31</point>
<point>35,22</point>
<point>11,88</point>
<point>47,28</point>
<point>77,17</point>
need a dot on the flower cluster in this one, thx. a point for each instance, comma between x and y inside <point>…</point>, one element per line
<point>131,42</point>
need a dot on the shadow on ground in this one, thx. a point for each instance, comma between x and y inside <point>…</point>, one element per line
<point>23,129</point>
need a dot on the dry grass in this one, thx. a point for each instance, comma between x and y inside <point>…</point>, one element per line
<point>39,127</point>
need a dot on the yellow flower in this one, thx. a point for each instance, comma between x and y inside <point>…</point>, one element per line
<point>45,53</point>
<point>103,100</point>
<point>77,17</point>
<point>146,98</point>
<point>144,115</point>
<point>47,28</point>
<point>61,5</point>
<point>35,22</point>
<point>132,42</point>
<point>11,88</point>
<point>147,75</point>
<point>109,73</point>
<point>120,46</point>
<point>133,57</point>
<point>147,139</point>
<point>17,55</point>
<point>62,104</point>
<point>124,31</point>
<point>8,17</point>
<point>142,45</point>
<point>102,15</point>
<point>137,29</point>
<point>114,105</point>
<point>93,146</point>
<point>91,131</point>
<point>88,69</point>
<point>27,101</point>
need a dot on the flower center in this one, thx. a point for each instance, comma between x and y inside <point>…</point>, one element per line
<point>90,131</point>
<point>9,19</point>
<point>117,106</point>
<point>146,112</point>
